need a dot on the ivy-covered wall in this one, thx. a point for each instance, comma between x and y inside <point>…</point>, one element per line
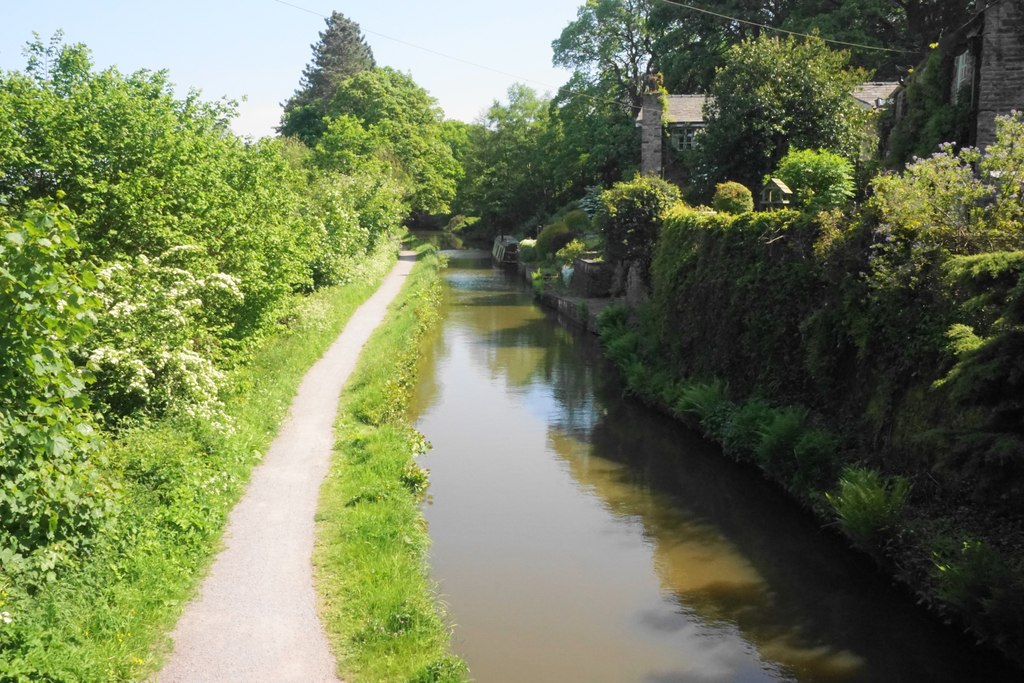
<point>860,327</point>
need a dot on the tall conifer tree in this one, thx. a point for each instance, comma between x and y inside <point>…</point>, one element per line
<point>342,52</point>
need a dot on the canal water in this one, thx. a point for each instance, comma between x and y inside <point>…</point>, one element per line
<point>578,536</point>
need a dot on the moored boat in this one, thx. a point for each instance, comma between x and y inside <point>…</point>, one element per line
<point>505,251</point>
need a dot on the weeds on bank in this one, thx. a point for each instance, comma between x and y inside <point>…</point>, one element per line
<point>378,603</point>
<point>868,505</point>
<point>177,479</point>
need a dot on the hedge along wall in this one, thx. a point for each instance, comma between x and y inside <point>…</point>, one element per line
<point>800,310</point>
<point>731,293</point>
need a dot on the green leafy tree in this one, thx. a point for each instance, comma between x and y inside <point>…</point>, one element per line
<point>592,139</point>
<point>774,93</point>
<point>456,135</point>
<point>820,179</point>
<point>340,53</point>
<point>346,147</point>
<point>691,45</point>
<point>506,176</point>
<point>610,44</point>
<point>394,108</point>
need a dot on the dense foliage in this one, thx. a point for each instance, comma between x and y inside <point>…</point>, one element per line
<point>771,94</point>
<point>630,218</point>
<point>52,497</point>
<point>175,249</point>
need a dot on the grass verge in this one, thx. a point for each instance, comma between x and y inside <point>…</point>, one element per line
<point>106,619</point>
<point>377,601</point>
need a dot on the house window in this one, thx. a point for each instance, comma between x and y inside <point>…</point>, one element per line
<point>684,137</point>
<point>963,74</point>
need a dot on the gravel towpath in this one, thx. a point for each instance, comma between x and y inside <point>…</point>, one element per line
<point>255,617</point>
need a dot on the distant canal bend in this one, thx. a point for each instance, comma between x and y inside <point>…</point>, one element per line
<point>579,537</point>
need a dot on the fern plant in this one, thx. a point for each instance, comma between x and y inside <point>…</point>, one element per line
<point>866,504</point>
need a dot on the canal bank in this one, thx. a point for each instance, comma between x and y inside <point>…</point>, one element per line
<point>575,309</point>
<point>906,558</point>
<point>581,536</point>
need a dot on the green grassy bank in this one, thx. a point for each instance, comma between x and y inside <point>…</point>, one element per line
<point>378,603</point>
<point>105,618</point>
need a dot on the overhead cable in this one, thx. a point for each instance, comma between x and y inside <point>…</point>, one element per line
<point>781,30</point>
<point>553,88</point>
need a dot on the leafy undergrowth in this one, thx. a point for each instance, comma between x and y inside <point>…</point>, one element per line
<point>106,618</point>
<point>377,601</point>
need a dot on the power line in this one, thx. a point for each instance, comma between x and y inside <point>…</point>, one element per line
<point>781,30</point>
<point>466,61</point>
<point>593,98</point>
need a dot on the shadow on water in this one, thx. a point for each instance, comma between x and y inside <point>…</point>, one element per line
<point>579,536</point>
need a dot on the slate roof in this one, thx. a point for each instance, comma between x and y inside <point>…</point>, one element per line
<point>689,109</point>
<point>682,109</point>
<point>686,108</point>
<point>868,94</point>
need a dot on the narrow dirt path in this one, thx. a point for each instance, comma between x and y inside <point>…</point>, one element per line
<point>255,618</point>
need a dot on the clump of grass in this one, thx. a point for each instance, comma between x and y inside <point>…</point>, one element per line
<point>709,403</point>
<point>867,505</point>
<point>779,436</point>
<point>743,433</point>
<point>815,455</point>
<point>379,606</point>
<point>978,581</point>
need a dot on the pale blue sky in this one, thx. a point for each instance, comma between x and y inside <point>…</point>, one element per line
<point>258,48</point>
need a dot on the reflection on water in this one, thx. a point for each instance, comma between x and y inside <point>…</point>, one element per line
<point>578,537</point>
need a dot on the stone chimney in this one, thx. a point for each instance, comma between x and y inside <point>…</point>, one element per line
<point>651,135</point>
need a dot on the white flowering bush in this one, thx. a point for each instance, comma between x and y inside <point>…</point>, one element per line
<point>160,336</point>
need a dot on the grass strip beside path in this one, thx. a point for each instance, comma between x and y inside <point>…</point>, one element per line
<point>379,605</point>
<point>107,619</point>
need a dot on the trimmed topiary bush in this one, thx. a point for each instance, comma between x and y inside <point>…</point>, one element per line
<point>527,251</point>
<point>570,252</point>
<point>552,238</point>
<point>732,197</point>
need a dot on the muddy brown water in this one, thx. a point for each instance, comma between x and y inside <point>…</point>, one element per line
<point>578,536</point>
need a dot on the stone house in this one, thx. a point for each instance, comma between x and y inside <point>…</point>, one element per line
<point>983,65</point>
<point>671,125</point>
